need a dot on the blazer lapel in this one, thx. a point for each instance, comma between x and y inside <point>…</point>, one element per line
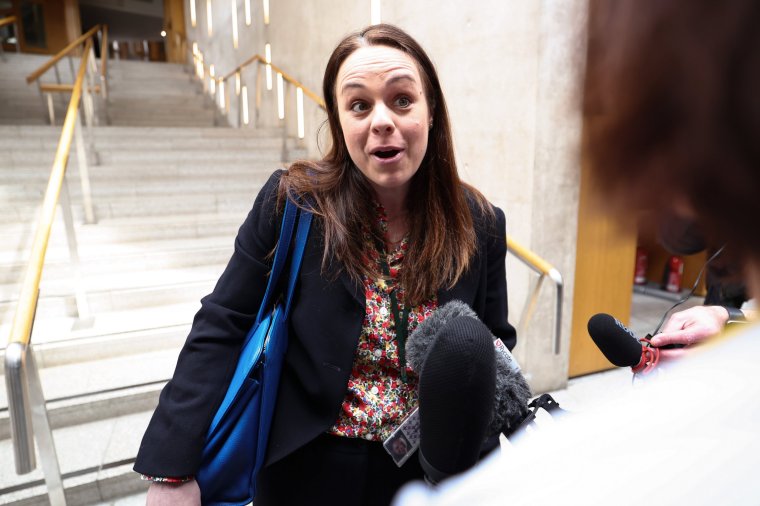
<point>354,288</point>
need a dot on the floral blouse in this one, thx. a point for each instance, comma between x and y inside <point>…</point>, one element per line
<point>377,399</point>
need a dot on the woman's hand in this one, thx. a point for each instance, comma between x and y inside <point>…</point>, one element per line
<point>688,327</point>
<point>170,494</point>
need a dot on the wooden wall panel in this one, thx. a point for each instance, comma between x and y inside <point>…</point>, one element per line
<point>174,24</point>
<point>605,256</point>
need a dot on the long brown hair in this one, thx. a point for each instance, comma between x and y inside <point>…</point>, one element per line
<point>441,233</point>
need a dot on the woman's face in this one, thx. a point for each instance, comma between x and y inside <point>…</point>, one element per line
<point>384,114</point>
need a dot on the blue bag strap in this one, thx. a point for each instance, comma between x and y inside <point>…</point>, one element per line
<point>280,256</point>
<point>304,222</point>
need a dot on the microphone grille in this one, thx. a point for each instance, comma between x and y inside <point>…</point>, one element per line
<point>614,340</point>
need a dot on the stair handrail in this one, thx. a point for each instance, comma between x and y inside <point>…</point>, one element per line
<point>47,89</point>
<point>203,70</point>
<point>26,404</point>
<point>61,54</point>
<point>544,270</point>
<point>7,21</point>
<point>292,80</point>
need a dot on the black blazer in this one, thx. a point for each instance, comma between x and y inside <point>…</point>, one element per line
<point>325,325</point>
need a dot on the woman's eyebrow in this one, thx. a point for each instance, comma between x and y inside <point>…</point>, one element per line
<point>401,77</point>
<point>393,80</point>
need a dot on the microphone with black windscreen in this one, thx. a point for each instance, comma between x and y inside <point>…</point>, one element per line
<point>618,344</point>
<point>468,390</point>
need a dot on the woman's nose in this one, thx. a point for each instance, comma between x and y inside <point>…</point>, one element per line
<point>382,122</point>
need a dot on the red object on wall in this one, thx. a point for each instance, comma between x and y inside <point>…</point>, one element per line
<point>673,274</point>
<point>640,270</point>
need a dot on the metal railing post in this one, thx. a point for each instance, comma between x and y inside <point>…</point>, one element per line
<point>84,173</point>
<point>285,123</point>
<point>20,414</point>
<point>29,420</point>
<point>530,304</point>
<point>44,101</point>
<point>543,269</point>
<point>50,108</point>
<point>83,308</point>
<point>559,289</point>
<point>71,67</point>
<point>87,104</point>
<point>90,76</point>
<point>44,434</point>
<point>256,121</point>
<point>241,83</point>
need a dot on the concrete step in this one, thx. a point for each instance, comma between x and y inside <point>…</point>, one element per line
<point>159,122</point>
<point>227,201</point>
<point>82,381</point>
<point>135,257</point>
<point>31,119</point>
<point>117,291</point>
<point>104,132</point>
<point>125,231</point>
<point>125,100</point>
<point>149,89</point>
<point>65,340</point>
<point>58,307</point>
<point>192,117</point>
<point>23,158</point>
<point>24,145</point>
<point>95,459</point>
<point>153,186</point>
<point>86,398</point>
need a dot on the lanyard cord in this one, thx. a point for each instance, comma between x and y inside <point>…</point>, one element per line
<point>401,322</point>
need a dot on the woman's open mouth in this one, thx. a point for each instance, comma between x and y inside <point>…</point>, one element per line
<point>387,154</point>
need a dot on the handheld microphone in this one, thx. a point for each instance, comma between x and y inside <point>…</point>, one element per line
<point>618,344</point>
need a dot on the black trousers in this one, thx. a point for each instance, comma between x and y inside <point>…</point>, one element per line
<point>335,471</point>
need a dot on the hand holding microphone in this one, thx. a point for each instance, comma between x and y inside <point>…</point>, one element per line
<point>688,327</point>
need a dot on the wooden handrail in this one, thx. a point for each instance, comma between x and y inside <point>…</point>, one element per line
<point>530,258</point>
<point>8,21</point>
<point>21,328</point>
<point>65,88</point>
<point>257,57</point>
<point>63,52</point>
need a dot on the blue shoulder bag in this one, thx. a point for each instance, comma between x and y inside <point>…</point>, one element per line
<point>236,442</point>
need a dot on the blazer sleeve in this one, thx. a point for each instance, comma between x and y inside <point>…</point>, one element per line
<point>496,311</point>
<point>173,442</point>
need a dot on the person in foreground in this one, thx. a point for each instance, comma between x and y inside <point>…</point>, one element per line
<point>394,226</point>
<point>677,81</point>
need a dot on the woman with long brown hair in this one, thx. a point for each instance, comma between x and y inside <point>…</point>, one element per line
<point>396,235</point>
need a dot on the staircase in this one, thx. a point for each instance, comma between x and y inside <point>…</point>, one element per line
<point>169,191</point>
<point>20,103</point>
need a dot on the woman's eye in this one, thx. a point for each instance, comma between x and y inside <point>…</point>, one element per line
<point>403,102</point>
<point>358,107</point>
